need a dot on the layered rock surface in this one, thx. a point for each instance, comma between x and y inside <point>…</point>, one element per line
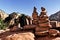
<point>20,36</point>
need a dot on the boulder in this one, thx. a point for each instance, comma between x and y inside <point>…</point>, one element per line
<point>53,32</point>
<point>20,36</point>
<point>57,38</point>
<point>43,33</point>
<point>1,31</point>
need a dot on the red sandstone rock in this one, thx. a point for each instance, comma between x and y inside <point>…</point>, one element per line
<point>43,21</point>
<point>39,29</point>
<point>53,32</point>
<point>14,28</point>
<point>58,34</point>
<point>44,24</point>
<point>43,17</point>
<point>29,26</point>
<point>35,22</point>
<point>57,38</point>
<point>43,9</point>
<point>20,36</point>
<point>34,16</point>
<point>43,33</point>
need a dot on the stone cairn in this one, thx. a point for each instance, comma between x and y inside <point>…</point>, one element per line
<point>34,21</point>
<point>43,23</point>
<point>35,16</point>
<point>40,24</point>
<point>43,26</point>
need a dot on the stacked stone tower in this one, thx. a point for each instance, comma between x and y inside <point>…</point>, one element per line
<point>43,23</point>
<point>35,16</point>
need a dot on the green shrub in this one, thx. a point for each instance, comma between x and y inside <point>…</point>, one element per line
<point>2,24</point>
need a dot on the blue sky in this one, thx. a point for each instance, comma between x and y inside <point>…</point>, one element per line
<point>26,6</point>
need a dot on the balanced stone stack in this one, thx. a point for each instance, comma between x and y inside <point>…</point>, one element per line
<point>35,17</point>
<point>34,21</point>
<point>43,23</point>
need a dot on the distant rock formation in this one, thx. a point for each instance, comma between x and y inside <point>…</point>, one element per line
<point>3,14</point>
<point>55,17</point>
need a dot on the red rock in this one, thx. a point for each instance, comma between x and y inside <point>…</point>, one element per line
<point>35,16</point>
<point>29,26</point>
<point>43,21</point>
<point>44,24</point>
<point>38,29</point>
<point>53,32</point>
<point>20,36</point>
<point>43,33</point>
<point>35,22</point>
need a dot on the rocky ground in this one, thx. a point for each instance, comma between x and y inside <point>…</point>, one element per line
<point>30,36</point>
<point>17,35</point>
<point>47,38</point>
